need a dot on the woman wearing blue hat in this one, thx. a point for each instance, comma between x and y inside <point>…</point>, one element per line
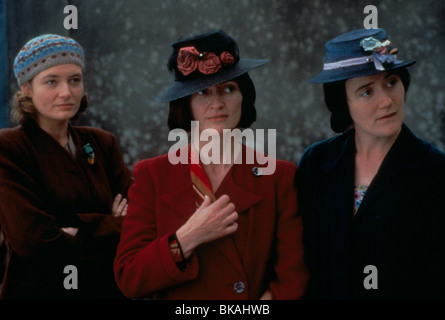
<point>61,186</point>
<point>371,197</point>
<point>211,230</point>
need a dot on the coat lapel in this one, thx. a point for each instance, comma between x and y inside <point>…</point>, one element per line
<point>339,166</point>
<point>182,198</point>
<point>402,156</point>
<point>241,196</point>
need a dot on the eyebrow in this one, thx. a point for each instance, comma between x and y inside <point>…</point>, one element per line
<point>363,86</point>
<point>388,75</point>
<point>58,76</point>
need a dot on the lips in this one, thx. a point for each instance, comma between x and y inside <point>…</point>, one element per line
<point>387,116</point>
<point>65,105</point>
<point>217,117</point>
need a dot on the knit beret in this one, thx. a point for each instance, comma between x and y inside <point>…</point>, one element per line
<point>46,51</point>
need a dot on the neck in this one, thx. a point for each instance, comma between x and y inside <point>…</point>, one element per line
<point>369,146</point>
<point>370,152</point>
<point>219,152</point>
<point>212,158</point>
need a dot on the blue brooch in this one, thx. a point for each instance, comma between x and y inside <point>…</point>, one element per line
<point>90,153</point>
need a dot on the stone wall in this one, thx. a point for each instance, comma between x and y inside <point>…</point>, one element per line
<point>127,44</point>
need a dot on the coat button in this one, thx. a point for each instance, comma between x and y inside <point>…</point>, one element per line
<point>257,172</point>
<point>239,287</point>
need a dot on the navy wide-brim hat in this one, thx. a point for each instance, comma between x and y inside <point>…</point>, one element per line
<point>203,61</point>
<point>359,53</point>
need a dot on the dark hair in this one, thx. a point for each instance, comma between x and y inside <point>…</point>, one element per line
<point>180,116</point>
<point>337,104</point>
<point>23,108</point>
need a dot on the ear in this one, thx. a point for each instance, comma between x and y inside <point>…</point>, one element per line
<point>26,88</point>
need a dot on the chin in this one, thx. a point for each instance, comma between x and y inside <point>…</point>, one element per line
<point>391,130</point>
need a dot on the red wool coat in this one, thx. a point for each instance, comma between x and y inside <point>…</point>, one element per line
<point>264,253</point>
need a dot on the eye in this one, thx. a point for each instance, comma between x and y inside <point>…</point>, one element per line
<point>229,88</point>
<point>201,92</point>
<point>366,93</point>
<point>392,82</point>
<point>76,80</point>
<point>50,82</point>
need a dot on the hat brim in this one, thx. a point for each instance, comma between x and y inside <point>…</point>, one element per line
<point>350,72</point>
<point>182,89</point>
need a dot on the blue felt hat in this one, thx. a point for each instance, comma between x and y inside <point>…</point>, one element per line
<point>359,53</point>
<point>203,61</point>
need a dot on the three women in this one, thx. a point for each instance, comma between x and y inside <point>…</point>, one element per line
<point>369,197</point>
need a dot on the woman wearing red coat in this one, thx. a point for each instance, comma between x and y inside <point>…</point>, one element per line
<point>211,229</point>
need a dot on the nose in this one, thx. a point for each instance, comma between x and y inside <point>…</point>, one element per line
<point>65,90</point>
<point>217,101</point>
<point>385,99</point>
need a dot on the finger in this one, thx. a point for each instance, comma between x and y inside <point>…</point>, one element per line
<point>116,201</point>
<point>221,202</point>
<point>228,209</point>
<point>121,207</point>
<point>206,202</point>
<point>231,228</point>
<point>124,212</point>
<point>231,218</point>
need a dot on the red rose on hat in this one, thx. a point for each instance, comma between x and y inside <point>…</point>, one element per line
<point>227,58</point>
<point>187,60</point>
<point>209,63</point>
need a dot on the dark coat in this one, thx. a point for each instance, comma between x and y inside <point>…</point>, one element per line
<point>399,227</point>
<point>44,188</point>
<point>264,253</point>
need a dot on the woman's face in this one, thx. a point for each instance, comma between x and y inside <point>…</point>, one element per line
<point>218,107</point>
<point>56,93</point>
<point>376,104</point>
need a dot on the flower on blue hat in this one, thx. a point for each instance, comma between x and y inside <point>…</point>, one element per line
<point>370,44</point>
<point>379,51</point>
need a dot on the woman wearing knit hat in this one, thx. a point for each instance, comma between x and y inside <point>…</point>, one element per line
<point>62,187</point>
<point>371,197</point>
<point>218,230</point>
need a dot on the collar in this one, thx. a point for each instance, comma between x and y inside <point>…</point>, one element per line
<point>237,184</point>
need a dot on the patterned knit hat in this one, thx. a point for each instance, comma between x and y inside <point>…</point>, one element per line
<point>44,52</point>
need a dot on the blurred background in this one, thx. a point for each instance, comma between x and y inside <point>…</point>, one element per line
<point>127,44</point>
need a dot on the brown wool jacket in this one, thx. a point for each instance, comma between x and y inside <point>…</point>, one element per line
<point>43,188</point>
